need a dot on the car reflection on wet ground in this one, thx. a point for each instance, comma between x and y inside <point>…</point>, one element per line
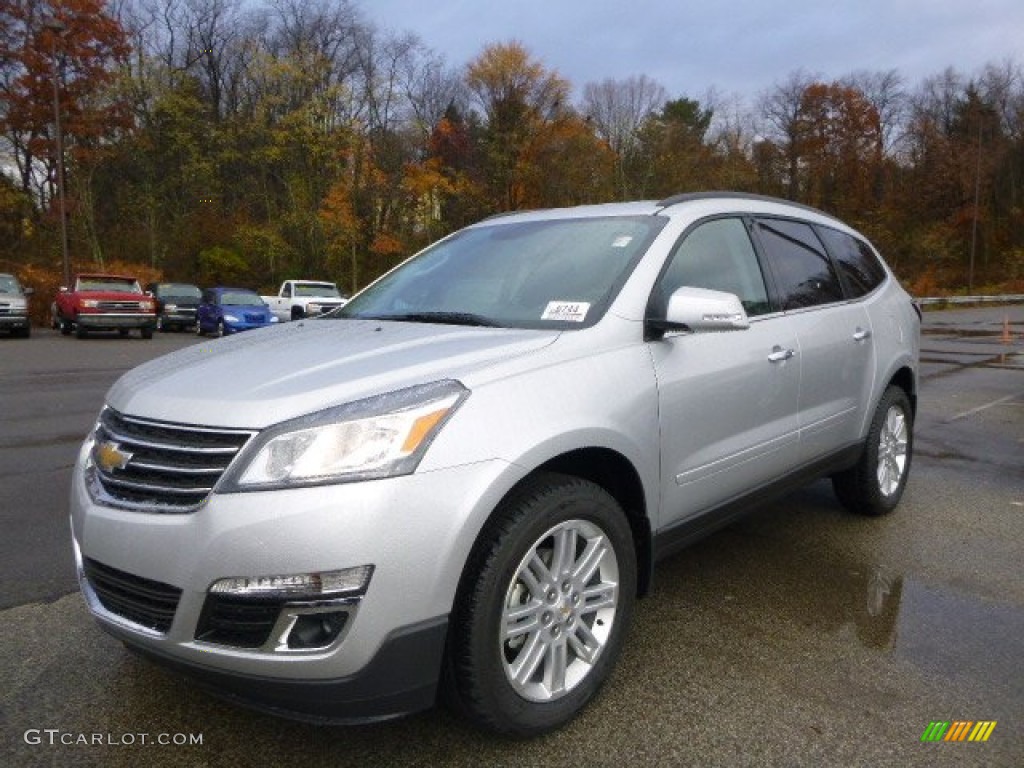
<point>799,636</point>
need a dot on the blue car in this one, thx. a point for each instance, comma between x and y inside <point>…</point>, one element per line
<point>230,310</point>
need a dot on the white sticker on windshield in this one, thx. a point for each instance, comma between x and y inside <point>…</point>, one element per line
<point>622,241</point>
<point>566,311</point>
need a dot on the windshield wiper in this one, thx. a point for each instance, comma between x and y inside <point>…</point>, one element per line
<point>446,318</point>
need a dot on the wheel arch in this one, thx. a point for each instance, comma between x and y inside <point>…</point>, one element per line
<point>904,379</point>
<point>609,470</point>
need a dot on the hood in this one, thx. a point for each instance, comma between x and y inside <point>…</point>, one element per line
<point>263,377</point>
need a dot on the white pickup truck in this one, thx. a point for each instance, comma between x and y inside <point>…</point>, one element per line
<point>301,298</point>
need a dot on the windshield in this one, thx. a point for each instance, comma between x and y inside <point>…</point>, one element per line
<point>241,299</point>
<point>182,290</point>
<point>561,273</point>
<point>8,284</point>
<point>319,289</point>
<point>108,284</point>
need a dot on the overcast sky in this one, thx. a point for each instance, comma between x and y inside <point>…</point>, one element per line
<point>739,47</point>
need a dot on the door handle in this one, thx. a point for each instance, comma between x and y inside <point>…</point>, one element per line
<point>779,354</point>
<point>860,334</point>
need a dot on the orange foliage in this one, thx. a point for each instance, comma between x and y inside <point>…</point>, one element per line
<point>386,245</point>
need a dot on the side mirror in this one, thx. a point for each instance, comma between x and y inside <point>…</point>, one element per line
<point>699,310</point>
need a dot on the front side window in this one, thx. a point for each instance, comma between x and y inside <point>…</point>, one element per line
<point>799,263</point>
<point>719,256</point>
<point>858,264</point>
<point>558,273</point>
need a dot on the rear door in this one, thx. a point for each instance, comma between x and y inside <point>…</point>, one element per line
<point>728,401</point>
<point>835,336</point>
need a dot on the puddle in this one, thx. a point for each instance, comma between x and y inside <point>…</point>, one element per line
<point>955,635</point>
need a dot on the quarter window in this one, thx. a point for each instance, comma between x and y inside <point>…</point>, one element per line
<point>803,273</point>
<point>858,264</point>
<point>719,256</point>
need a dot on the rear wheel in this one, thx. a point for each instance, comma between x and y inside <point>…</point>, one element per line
<point>875,484</point>
<point>543,607</point>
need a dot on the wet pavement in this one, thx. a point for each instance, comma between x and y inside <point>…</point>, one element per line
<point>799,636</point>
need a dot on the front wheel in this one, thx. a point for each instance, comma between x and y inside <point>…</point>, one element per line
<point>875,484</point>
<point>147,333</point>
<point>543,607</point>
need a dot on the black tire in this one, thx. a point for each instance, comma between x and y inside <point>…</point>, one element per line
<point>868,488</point>
<point>199,330</point>
<point>81,332</point>
<point>65,327</point>
<point>219,330</point>
<point>23,332</point>
<point>562,613</point>
<point>147,333</point>
<point>298,313</point>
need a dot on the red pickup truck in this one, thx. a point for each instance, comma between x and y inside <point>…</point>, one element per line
<point>100,302</point>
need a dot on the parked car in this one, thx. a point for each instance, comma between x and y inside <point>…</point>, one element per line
<point>296,299</point>
<point>175,305</point>
<point>223,311</point>
<point>459,482</point>
<point>101,302</point>
<point>14,306</point>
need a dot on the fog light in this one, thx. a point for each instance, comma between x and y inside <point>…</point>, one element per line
<point>316,630</point>
<point>348,582</point>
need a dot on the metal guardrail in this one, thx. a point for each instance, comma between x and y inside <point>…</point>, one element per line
<point>1004,299</point>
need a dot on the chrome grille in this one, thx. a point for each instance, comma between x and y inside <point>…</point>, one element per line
<point>119,306</point>
<point>157,466</point>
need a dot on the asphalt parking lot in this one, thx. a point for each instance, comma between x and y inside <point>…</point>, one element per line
<point>801,636</point>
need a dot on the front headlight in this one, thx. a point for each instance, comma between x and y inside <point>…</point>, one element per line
<point>90,303</point>
<point>231,318</point>
<point>382,436</point>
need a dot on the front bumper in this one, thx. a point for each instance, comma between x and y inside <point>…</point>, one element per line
<point>111,321</point>
<point>402,678</point>
<point>416,532</point>
<point>178,318</point>
<point>13,321</point>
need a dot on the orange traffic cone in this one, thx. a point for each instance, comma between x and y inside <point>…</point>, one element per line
<point>1006,337</point>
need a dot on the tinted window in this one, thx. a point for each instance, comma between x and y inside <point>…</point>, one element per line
<point>858,264</point>
<point>803,273</point>
<point>719,256</point>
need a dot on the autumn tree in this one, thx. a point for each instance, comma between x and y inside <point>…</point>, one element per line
<point>519,98</point>
<point>838,140</point>
<point>77,45</point>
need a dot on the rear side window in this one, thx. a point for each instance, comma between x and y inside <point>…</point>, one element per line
<point>803,273</point>
<point>859,266</point>
<point>719,256</point>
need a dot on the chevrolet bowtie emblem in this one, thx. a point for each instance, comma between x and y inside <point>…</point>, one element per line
<point>109,456</point>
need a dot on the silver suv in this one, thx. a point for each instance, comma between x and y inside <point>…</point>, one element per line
<point>459,483</point>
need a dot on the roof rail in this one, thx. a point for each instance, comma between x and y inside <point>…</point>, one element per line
<point>687,197</point>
